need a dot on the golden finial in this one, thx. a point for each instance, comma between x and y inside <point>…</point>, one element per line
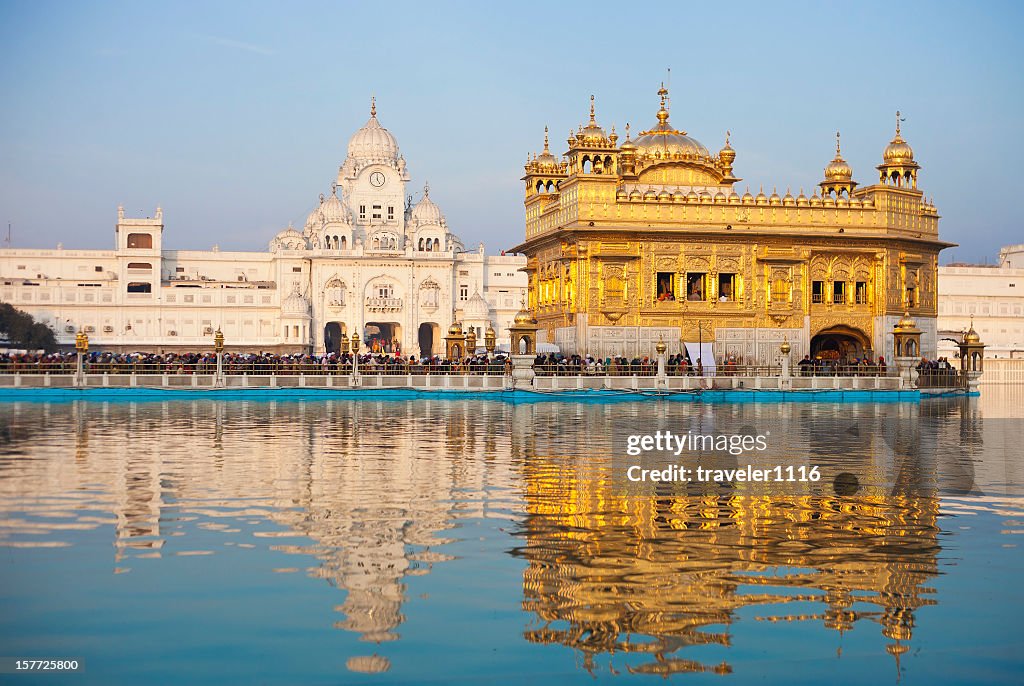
<point>727,134</point>
<point>592,109</point>
<point>897,122</point>
<point>627,130</point>
<point>545,139</point>
<point>837,144</point>
<point>373,105</point>
<point>426,189</point>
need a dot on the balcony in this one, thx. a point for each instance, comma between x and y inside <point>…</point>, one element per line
<point>384,304</point>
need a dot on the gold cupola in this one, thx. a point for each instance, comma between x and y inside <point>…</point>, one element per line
<point>727,156</point>
<point>838,176</point>
<point>666,143</point>
<point>592,135</point>
<point>898,167</point>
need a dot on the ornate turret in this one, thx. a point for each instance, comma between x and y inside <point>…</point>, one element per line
<point>591,151</point>
<point>898,167</point>
<point>838,176</point>
<point>544,171</point>
<point>727,156</point>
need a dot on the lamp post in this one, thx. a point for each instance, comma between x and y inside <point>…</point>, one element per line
<point>81,348</point>
<point>660,348</point>
<point>490,339</point>
<point>218,347</point>
<point>471,342</point>
<point>355,359</point>
<point>784,349</point>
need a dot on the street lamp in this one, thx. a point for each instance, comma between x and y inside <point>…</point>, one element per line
<point>490,339</point>
<point>81,348</point>
<point>218,347</point>
<point>355,356</point>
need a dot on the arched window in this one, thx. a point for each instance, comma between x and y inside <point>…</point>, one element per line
<point>140,240</point>
<point>344,243</point>
<point>437,244</point>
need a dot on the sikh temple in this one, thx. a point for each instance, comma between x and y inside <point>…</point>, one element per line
<point>368,262</point>
<point>644,239</point>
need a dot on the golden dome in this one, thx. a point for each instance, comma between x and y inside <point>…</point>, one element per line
<point>455,329</point>
<point>972,336</point>
<point>592,134</point>
<point>838,169</point>
<point>898,151</point>
<point>906,323</point>
<point>523,316</point>
<point>546,161</point>
<point>665,142</point>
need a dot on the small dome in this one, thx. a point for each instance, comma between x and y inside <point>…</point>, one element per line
<point>665,196</point>
<point>838,169</point>
<point>476,307</point>
<point>373,143</point>
<point>898,151</point>
<point>734,197</point>
<point>747,197</point>
<point>426,211</point>
<point>592,134</point>
<point>719,196</point>
<point>906,324</point>
<point>692,197</point>
<point>774,199</point>
<point>523,316</point>
<point>334,210</point>
<point>295,304</point>
<point>546,162</point>
<point>972,336</point>
<point>455,329</point>
<point>620,194</point>
<point>761,198</point>
<point>801,200</point>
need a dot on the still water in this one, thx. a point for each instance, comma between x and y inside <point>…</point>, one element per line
<point>338,542</point>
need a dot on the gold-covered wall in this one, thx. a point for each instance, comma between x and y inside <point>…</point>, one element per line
<point>627,243</point>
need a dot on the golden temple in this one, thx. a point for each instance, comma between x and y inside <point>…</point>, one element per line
<point>633,241</point>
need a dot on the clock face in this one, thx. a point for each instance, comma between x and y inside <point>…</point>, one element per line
<point>377,179</point>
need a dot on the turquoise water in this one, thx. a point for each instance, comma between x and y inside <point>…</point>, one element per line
<point>470,541</point>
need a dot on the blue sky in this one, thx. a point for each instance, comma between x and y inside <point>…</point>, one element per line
<point>235,116</point>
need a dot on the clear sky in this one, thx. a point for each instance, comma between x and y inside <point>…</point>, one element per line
<point>235,116</point>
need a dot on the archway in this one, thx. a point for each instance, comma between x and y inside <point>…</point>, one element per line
<point>840,343</point>
<point>382,337</point>
<point>427,336</point>
<point>333,332</point>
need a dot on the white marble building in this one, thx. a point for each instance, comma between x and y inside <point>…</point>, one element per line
<point>367,261</point>
<point>993,295</point>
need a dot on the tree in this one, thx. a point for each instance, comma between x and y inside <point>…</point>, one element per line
<point>25,332</point>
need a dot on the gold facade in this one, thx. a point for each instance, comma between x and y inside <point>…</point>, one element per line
<point>652,233</point>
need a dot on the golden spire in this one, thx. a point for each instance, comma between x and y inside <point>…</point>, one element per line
<point>727,134</point>
<point>373,105</point>
<point>545,139</point>
<point>592,121</point>
<point>426,189</point>
<point>627,130</point>
<point>663,112</point>
<point>837,143</point>
<point>897,123</point>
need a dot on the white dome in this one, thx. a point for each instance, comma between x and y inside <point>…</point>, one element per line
<point>289,239</point>
<point>427,211</point>
<point>373,143</point>
<point>476,307</point>
<point>295,305</point>
<point>330,210</point>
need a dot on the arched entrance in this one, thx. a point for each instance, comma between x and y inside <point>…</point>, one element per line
<point>382,337</point>
<point>332,336</point>
<point>840,343</point>
<point>427,336</point>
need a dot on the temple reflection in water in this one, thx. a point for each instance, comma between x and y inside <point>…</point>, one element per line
<point>374,493</point>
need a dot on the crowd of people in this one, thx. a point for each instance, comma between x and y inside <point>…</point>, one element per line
<point>547,364</point>
<point>856,366</point>
<point>96,362</point>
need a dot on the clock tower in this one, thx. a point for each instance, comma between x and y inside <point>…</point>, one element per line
<point>372,179</point>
